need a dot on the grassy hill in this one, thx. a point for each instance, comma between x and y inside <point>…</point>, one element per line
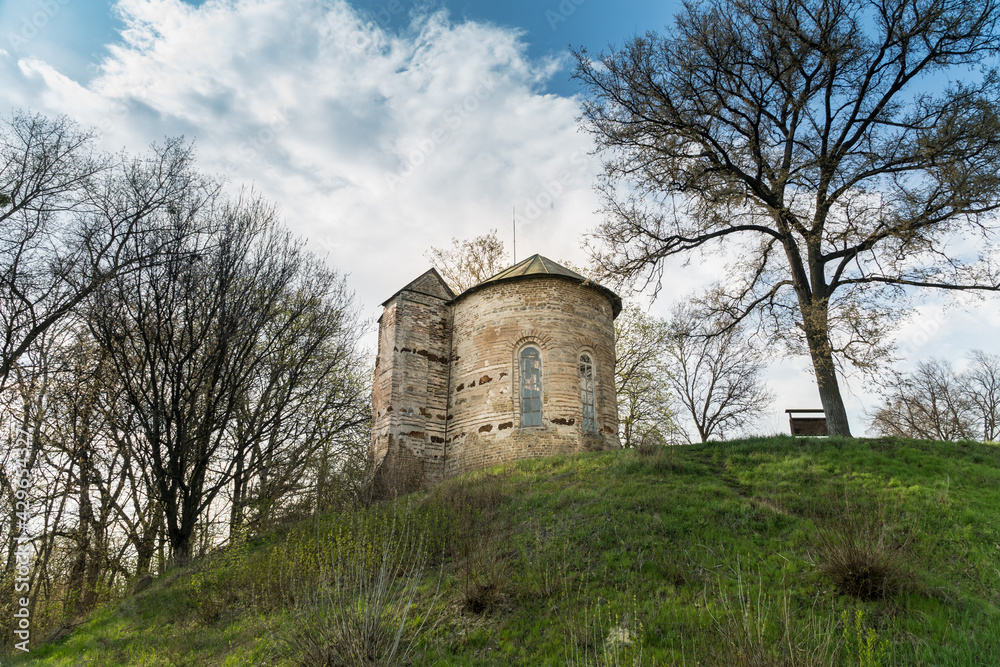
<point>771,551</point>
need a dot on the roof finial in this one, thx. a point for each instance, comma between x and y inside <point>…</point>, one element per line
<point>513,223</point>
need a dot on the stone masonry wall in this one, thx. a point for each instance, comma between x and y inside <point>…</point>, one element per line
<point>410,392</point>
<point>491,325</point>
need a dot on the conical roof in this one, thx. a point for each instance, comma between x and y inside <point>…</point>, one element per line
<point>536,265</point>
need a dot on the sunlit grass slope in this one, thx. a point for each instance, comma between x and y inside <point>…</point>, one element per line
<point>771,551</point>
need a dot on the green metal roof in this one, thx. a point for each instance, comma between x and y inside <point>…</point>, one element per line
<point>536,265</point>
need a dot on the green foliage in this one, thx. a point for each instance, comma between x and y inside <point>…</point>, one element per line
<point>862,643</point>
<point>703,554</point>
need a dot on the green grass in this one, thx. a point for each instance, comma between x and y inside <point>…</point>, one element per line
<point>699,555</point>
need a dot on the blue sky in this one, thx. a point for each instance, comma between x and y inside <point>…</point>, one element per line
<point>383,127</point>
<point>73,35</point>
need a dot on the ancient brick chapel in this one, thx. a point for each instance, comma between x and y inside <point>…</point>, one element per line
<point>519,366</point>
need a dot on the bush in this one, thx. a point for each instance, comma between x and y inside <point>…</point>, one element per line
<point>649,447</point>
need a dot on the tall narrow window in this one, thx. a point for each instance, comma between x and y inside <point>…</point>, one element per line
<point>531,387</point>
<point>587,392</point>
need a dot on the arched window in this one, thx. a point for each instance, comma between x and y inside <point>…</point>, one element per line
<point>587,392</point>
<point>531,387</point>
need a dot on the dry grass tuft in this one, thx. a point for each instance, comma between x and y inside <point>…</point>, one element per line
<point>357,611</point>
<point>756,630</point>
<point>860,549</point>
<point>481,538</point>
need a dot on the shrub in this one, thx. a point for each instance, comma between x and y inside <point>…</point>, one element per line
<point>649,447</point>
<point>226,582</point>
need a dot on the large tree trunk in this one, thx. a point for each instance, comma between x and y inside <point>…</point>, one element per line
<point>145,547</point>
<point>829,396</point>
<point>77,571</point>
<point>180,530</point>
<point>815,319</point>
<point>813,295</point>
<point>180,547</point>
<point>99,560</point>
<point>77,585</point>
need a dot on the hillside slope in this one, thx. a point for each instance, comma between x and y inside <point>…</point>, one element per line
<point>755,552</point>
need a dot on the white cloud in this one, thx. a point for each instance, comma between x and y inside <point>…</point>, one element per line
<point>378,144</point>
<point>375,144</point>
<point>62,93</point>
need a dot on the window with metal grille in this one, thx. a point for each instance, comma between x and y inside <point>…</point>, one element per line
<point>531,387</point>
<point>587,392</point>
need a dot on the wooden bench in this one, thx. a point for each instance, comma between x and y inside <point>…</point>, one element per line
<point>806,425</point>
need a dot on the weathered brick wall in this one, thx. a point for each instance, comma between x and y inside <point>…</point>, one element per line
<point>410,390</point>
<point>563,319</point>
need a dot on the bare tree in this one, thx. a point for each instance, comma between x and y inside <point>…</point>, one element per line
<point>928,403</point>
<point>715,372</point>
<point>223,346</point>
<point>75,448</point>
<point>469,262</point>
<point>307,397</point>
<point>935,402</point>
<point>804,133</point>
<point>70,217</point>
<point>167,351</point>
<point>981,385</point>
<point>642,379</point>
<point>23,408</point>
